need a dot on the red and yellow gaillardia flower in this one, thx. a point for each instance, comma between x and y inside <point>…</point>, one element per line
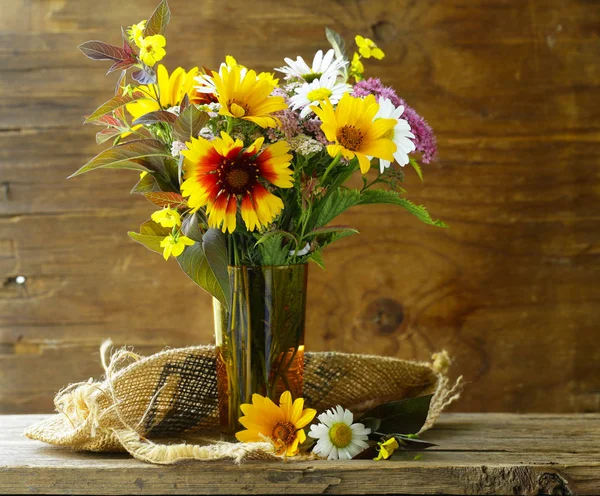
<point>282,425</point>
<point>355,132</point>
<point>167,92</point>
<point>222,174</point>
<point>245,95</point>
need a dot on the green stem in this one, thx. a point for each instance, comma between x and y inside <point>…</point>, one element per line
<point>334,162</point>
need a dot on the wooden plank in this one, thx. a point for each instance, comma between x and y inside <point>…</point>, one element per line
<point>511,290</point>
<point>477,454</point>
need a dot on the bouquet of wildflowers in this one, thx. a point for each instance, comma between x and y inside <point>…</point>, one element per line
<point>252,168</point>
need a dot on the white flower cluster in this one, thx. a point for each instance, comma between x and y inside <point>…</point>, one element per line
<point>305,145</point>
<point>177,147</point>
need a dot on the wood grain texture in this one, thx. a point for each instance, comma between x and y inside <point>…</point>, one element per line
<point>476,454</point>
<point>511,290</point>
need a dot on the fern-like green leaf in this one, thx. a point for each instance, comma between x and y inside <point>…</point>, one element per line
<point>391,197</point>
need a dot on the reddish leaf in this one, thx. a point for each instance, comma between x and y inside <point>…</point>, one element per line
<point>189,123</point>
<point>98,50</point>
<point>106,120</point>
<point>122,65</point>
<point>157,24</point>
<point>113,104</point>
<point>107,134</point>
<point>156,116</point>
<point>166,198</point>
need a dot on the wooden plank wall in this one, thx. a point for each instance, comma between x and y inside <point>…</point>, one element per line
<point>511,290</point>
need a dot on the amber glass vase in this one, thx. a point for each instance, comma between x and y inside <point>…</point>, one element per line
<point>260,340</point>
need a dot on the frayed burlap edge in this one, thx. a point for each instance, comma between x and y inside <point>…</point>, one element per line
<point>79,402</point>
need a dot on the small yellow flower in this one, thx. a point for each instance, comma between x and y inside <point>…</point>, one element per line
<point>357,68</point>
<point>270,78</point>
<point>152,49</point>
<point>282,425</point>
<point>368,48</point>
<point>386,449</point>
<point>167,217</point>
<point>174,244</point>
<point>135,32</point>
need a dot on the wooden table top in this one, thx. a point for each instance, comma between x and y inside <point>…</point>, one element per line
<point>477,454</point>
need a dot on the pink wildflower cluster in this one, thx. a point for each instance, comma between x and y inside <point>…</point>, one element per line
<point>425,141</point>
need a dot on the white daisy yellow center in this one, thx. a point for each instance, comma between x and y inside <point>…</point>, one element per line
<point>340,435</point>
<point>319,95</point>
<point>311,76</point>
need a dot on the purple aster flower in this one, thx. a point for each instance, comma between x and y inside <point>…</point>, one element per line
<point>425,141</point>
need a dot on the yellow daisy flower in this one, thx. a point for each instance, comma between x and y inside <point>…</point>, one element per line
<point>167,92</point>
<point>357,68</point>
<point>167,217</point>
<point>282,425</point>
<point>174,244</point>
<point>152,49</point>
<point>221,173</point>
<point>368,48</point>
<point>245,96</point>
<point>135,32</point>
<point>355,132</point>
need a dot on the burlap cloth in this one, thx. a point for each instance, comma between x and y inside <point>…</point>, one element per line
<point>172,396</point>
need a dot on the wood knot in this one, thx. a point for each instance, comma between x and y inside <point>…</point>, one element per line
<point>385,314</point>
<point>384,31</point>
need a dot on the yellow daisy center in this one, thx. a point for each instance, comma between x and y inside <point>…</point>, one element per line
<point>340,435</point>
<point>319,94</point>
<point>284,433</point>
<point>349,137</point>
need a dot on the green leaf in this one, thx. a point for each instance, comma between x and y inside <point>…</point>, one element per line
<point>341,231</point>
<point>416,167</point>
<point>272,250</point>
<point>214,243</point>
<point>151,234</point>
<point>334,203</point>
<point>146,184</point>
<point>412,443</point>
<point>106,134</point>
<point>391,197</point>
<point>157,23</point>
<point>337,43</point>
<point>190,227</point>
<point>406,416</point>
<point>264,237</point>
<point>317,257</point>
<point>194,262</point>
<point>138,155</point>
<point>115,103</point>
<point>154,117</point>
<point>189,123</point>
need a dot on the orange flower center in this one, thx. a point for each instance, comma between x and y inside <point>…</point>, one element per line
<point>349,137</point>
<point>237,176</point>
<point>283,435</point>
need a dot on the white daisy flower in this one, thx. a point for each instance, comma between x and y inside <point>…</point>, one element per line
<point>321,65</point>
<point>317,91</point>
<point>338,437</point>
<point>400,134</point>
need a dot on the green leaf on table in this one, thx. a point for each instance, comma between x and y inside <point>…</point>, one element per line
<point>406,416</point>
<point>203,263</point>
<point>157,23</point>
<point>142,155</point>
<point>189,123</point>
<point>115,103</point>
<point>412,443</point>
<point>391,197</point>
